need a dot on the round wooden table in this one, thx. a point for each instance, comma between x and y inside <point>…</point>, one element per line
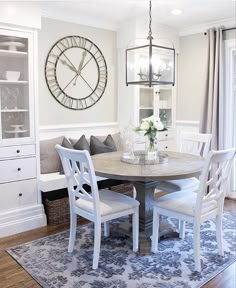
<point>147,178</point>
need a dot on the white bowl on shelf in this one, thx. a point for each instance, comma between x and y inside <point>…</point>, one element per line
<point>12,75</point>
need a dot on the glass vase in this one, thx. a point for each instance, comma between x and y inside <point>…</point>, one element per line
<point>151,152</point>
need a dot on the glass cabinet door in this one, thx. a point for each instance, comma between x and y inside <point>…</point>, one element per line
<point>165,105</point>
<point>146,105</point>
<point>15,103</point>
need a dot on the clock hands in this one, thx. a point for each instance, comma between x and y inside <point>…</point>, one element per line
<point>80,66</point>
<point>88,61</point>
<point>82,61</point>
<point>64,62</point>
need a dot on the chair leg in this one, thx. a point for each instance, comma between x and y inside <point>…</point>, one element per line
<point>155,230</point>
<point>196,246</point>
<point>219,234</point>
<point>106,229</point>
<point>97,244</point>
<point>73,224</point>
<point>181,229</point>
<point>135,228</point>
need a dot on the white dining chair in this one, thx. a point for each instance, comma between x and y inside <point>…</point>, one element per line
<point>196,144</point>
<point>198,207</point>
<point>96,206</point>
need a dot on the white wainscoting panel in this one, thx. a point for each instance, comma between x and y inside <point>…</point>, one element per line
<point>185,126</point>
<point>76,130</point>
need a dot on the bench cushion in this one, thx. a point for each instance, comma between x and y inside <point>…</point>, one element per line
<point>55,181</point>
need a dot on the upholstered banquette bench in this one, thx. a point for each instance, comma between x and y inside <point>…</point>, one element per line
<point>52,182</point>
<point>51,172</point>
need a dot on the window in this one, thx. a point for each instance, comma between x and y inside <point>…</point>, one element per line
<point>230,103</point>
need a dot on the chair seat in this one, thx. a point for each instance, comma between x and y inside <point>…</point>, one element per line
<point>182,184</point>
<point>183,202</point>
<point>110,202</point>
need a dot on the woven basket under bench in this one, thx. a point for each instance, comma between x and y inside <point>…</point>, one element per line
<point>58,210</point>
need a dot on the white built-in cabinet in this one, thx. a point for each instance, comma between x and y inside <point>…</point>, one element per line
<point>159,101</point>
<point>20,201</point>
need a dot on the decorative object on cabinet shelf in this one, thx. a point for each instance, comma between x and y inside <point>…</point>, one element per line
<point>150,64</point>
<point>10,97</point>
<point>12,43</point>
<point>163,118</point>
<point>17,130</point>
<point>11,75</point>
<point>150,127</point>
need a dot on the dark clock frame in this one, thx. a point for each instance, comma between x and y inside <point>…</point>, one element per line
<point>68,97</point>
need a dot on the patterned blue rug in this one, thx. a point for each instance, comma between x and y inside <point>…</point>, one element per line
<point>49,263</point>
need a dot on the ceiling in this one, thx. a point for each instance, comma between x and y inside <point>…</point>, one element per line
<point>110,14</point>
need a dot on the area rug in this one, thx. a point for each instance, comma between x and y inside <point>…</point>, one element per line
<point>49,263</point>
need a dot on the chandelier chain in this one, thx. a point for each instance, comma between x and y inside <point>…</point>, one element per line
<point>150,19</point>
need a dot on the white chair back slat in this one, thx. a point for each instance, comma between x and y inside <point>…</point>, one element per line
<point>79,171</point>
<point>195,143</point>
<point>214,178</point>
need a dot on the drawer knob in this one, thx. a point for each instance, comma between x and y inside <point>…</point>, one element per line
<point>18,151</point>
<point>166,147</point>
<point>20,194</point>
<point>18,169</point>
<point>166,135</point>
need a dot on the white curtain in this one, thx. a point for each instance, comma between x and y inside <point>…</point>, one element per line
<point>219,110</point>
<point>212,120</point>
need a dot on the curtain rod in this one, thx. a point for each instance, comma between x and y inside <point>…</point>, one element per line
<point>226,29</point>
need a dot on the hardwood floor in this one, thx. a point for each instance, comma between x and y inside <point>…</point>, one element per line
<point>13,276</point>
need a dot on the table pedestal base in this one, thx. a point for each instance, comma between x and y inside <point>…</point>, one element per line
<point>125,228</point>
<point>145,195</point>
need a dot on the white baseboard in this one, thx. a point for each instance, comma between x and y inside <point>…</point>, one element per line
<point>20,220</point>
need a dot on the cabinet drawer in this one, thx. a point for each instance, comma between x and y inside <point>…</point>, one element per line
<point>165,135</point>
<point>17,194</point>
<point>17,151</point>
<point>17,169</point>
<point>166,146</point>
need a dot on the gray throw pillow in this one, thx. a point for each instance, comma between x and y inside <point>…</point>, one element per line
<point>82,144</point>
<point>49,158</point>
<point>67,144</point>
<point>98,147</point>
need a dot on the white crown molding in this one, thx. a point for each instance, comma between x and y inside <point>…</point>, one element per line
<point>227,23</point>
<point>78,19</point>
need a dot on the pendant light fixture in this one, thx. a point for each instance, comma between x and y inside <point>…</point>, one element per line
<point>150,64</point>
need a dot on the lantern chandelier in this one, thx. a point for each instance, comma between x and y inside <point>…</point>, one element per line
<point>150,64</point>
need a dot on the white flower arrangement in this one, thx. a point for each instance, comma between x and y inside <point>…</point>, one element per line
<point>150,126</point>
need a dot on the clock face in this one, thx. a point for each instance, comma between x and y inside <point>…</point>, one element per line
<point>76,72</point>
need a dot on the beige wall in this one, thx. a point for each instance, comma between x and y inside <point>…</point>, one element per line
<point>191,76</point>
<point>50,111</point>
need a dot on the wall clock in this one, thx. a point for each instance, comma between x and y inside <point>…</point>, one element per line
<point>76,72</point>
